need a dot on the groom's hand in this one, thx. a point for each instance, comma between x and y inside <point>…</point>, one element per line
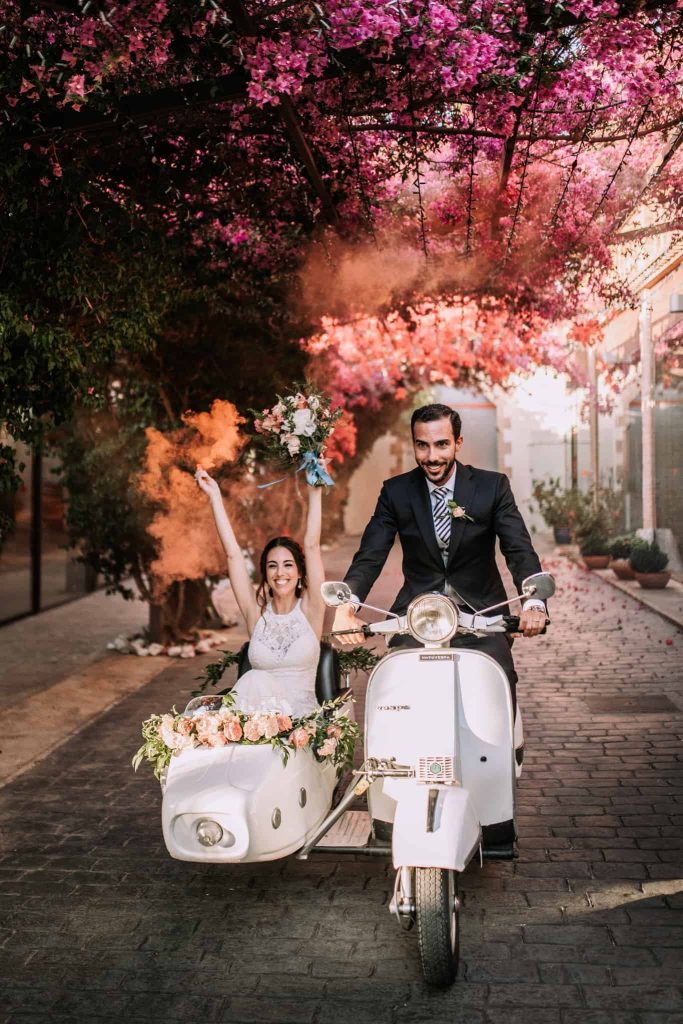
<point>532,621</point>
<point>346,618</point>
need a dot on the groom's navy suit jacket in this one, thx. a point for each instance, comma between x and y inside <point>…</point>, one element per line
<point>404,507</point>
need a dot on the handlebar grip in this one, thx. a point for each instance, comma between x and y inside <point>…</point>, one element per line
<point>349,632</point>
<point>512,624</point>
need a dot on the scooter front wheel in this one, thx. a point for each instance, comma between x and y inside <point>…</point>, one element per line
<point>438,929</point>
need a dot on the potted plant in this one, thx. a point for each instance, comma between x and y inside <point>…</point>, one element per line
<point>558,506</point>
<point>620,549</point>
<point>594,550</point>
<point>649,563</point>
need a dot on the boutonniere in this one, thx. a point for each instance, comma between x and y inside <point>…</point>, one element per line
<point>458,512</point>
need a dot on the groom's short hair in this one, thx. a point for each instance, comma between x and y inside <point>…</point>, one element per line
<point>436,411</point>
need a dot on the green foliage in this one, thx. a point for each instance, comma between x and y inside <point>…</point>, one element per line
<point>594,512</point>
<point>558,505</point>
<point>594,544</point>
<point>213,673</point>
<point>357,659</point>
<point>621,547</point>
<point>648,557</point>
<point>106,515</point>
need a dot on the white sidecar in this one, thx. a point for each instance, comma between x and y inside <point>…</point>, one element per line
<point>241,804</point>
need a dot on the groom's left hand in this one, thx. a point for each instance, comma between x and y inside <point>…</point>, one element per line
<point>532,621</point>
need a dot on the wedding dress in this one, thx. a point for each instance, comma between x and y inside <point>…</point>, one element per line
<point>283,654</point>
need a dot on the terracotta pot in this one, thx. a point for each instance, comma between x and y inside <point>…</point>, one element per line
<point>595,561</point>
<point>621,569</point>
<point>653,580</point>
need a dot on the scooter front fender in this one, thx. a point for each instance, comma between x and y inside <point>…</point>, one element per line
<point>455,833</point>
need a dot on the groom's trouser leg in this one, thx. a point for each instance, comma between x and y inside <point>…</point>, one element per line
<point>497,646</point>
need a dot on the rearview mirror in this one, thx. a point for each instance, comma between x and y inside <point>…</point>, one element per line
<point>335,593</point>
<point>540,585</point>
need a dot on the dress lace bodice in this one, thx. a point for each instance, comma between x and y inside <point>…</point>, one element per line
<point>284,642</point>
<point>283,653</point>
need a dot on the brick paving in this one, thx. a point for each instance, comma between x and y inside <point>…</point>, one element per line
<point>98,924</point>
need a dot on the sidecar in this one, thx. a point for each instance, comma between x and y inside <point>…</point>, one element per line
<point>243,804</point>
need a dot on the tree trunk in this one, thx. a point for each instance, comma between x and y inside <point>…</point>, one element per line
<point>180,613</point>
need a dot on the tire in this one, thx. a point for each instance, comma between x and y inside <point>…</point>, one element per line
<point>438,928</point>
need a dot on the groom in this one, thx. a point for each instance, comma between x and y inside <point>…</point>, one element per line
<point>447,517</point>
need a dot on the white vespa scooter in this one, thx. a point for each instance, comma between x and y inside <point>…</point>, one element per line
<point>440,762</point>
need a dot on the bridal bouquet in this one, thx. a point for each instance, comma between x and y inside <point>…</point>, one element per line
<point>214,722</point>
<point>296,430</point>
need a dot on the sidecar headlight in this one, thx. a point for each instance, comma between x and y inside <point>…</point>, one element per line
<point>432,619</point>
<point>208,832</point>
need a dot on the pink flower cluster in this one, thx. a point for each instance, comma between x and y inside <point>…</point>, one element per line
<point>219,728</point>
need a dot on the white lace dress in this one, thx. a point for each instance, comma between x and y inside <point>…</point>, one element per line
<point>283,654</point>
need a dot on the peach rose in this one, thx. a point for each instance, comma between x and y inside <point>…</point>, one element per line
<point>284,723</point>
<point>253,730</point>
<point>269,725</point>
<point>215,739</point>
<point>299,738</point>
<point>184,726</point>
<point>167,731</point>
<point>334,731</point>
<point>232,730</point>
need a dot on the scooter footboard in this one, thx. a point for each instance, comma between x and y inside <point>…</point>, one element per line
<point>444,835</point>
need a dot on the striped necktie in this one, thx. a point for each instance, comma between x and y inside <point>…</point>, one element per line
<point>442,516</point>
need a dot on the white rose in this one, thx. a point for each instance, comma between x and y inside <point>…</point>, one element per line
<point>293,443</point>
<point>304,422</point>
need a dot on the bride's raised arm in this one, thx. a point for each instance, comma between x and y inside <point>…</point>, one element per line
<point>312,602</point>
<point>237,569</point>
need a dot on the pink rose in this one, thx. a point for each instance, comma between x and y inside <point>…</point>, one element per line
<point>293,443</point>
<point>253,730</point>
<point>334,730</point>
<point>184,726</point>
<point>258,426</point>
<point>327,748</point>
<point>299,738</point>
<point>284,723</point>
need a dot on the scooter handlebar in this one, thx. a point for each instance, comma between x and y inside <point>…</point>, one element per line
<point>512,624</point>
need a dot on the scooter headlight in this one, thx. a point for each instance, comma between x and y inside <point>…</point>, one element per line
<point>208,832</point>
<point>432,619</point>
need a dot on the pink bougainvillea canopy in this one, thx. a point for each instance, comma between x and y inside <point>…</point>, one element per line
<point>467,152</point>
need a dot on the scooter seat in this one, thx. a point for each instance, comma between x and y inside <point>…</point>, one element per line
<point>328,676</point>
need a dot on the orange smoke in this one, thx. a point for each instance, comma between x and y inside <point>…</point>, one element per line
<point>183,526</point>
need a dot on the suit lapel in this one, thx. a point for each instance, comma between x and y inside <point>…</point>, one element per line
<point>463,495</point>
<point>422,510</point>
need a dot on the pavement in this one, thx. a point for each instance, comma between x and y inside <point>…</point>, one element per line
<point>586,927</point>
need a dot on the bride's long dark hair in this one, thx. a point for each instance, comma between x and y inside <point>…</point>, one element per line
<point>299,558</point>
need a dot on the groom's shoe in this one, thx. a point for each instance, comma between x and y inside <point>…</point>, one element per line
<point>382,831</point>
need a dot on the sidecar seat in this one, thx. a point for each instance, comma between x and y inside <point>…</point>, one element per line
<point>328,676</point>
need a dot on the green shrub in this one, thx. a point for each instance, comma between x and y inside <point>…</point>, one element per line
<point>594,544</point>
<point>621,547</point>
<point>648,557</point>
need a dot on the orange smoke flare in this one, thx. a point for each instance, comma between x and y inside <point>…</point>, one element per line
<point>183,526</point>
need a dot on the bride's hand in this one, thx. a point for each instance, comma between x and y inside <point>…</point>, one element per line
<point>207,483</point>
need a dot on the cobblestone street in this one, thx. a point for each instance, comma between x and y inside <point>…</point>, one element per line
<point>586,927</point>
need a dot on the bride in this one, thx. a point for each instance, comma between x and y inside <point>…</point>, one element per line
<point>284,616</point>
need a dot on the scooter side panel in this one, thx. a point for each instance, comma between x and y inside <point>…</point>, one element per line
<point>485,735</point>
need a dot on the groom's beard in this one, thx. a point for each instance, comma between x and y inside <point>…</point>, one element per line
<point>437,472</point>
